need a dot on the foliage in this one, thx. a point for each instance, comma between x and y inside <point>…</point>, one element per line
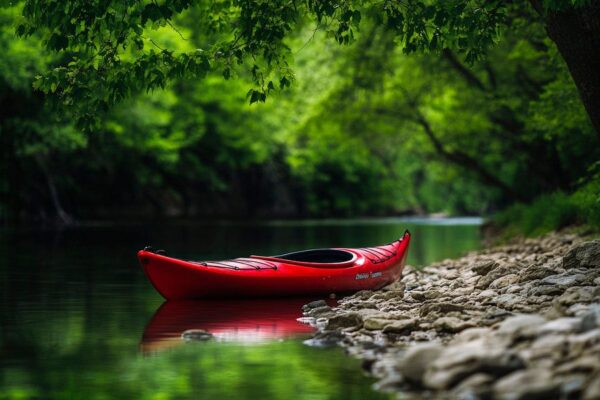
<point>409,118</point>
<point>554,211</point>
<point>587,201</point>
<point>108,53</point>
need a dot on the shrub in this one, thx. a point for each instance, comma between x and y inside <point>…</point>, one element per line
<point>554,211</point>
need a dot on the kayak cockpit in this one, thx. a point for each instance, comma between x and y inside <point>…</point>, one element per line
<point>318,256</point>
<point>322,258</point>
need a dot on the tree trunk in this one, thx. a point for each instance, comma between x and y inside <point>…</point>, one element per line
<point>62,216</point>
<point>576,32</point>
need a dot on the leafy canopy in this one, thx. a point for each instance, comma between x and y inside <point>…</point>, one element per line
<point>428,133</point>
<point>107,51</point>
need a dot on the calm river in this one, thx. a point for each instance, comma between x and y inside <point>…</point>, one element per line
<point>79,320</point>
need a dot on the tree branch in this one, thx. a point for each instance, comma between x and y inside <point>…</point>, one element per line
<point>458,157</point>
<point>466,161</point>
<point>462,70</point>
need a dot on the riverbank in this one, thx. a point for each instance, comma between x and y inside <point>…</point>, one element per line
<point>518,321</point>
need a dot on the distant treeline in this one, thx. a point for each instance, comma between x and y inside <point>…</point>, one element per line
<point>364,130</point>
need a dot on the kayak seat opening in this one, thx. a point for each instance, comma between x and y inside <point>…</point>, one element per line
<point>318,256</point>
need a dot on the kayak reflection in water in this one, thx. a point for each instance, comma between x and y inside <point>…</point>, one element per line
<point>242,321</point>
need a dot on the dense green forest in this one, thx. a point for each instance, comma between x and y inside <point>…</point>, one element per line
<point>293,109</point>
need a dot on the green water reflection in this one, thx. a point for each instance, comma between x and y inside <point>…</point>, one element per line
<point>78,320</point>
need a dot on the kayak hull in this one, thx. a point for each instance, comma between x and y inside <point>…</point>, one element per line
<point>369,268</point>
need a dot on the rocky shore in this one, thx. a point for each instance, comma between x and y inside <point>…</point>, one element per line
<point>520,321</point>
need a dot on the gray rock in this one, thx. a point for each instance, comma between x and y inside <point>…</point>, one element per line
<point>398,326</point>
<point>325,339</point>
<point>561,325</point>
<point>546,290</point>
<point>450,274</point>
<point>572,385</point>
<point>514,288</point>
<point>581,294</point>
<point>417,295</point>
<point>362,295</point>
<point>396,286</point>
<point>388,294</point>
<point>345,320</point>
<point>585,255</point>
<point>577,310</point>
<point>497,272</point>
<point>591,319</point>
<point>426,309</point>
<point>547,346</point>
<point>476,386</point>
<point>488,293</point>
<point>307,320</point>
<point>587,363</point>
<point>391,381</point>
<point>508,301</point>
<point>522,325</point>
<point>530,384</point>
<point>578,344</point>
<point>564,279</point>
<point>484,267</point>
<point>416,360</point>
<point>451,324</point>
<point>463,290</point>
<point>470,334</point>
<point>504,281</point>
<point>321,323</point>
<point>196,335</point>
<point>433,294</point>
<point>314,304</point>
<point>461,360</point>
<point>592,392</point>
<point>322,311</point>
<point>495,314</point>
<point>370,304</point>
<point>423,336</point>
<point>534,272</point>
<point>378,323</point>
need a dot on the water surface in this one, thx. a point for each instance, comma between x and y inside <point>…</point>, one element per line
<point>78,319</point>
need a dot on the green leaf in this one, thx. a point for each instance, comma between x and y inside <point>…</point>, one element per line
<point>284,82</point>
<point>254,96</point>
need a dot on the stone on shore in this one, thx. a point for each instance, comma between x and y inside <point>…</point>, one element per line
<point>451,324</point>
<point>417,359</point>
<point>585,255</point>
<point>524,325</point>
<point>527,385</point>
<point>520,321</point>
<point>345,320</point>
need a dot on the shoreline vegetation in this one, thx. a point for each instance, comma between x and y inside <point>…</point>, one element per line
<point>552,212</point>
<point>516,321</point>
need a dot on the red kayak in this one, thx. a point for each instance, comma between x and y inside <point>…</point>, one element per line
<point>318,271</point>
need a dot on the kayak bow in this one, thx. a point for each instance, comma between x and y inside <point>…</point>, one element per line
<point>317,271</point>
